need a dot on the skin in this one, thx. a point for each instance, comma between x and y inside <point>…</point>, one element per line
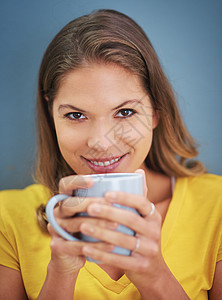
<point>103,131</point>
<point>98,90</point>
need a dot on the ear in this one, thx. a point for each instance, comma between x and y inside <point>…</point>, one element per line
<point>46,98</point>
<point>156,118</point>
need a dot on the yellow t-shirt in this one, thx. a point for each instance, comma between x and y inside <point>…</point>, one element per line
<point>191,241</point>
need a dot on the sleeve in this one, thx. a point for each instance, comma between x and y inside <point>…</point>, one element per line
<point>216,193</point>
<point>8,253</point>
<point>219,255</point>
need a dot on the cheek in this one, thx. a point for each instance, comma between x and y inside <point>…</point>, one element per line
<point>69,139</point>
<point>144,144</point>
<point>137,131</point>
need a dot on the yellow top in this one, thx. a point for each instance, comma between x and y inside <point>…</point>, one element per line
<point>191,241</point>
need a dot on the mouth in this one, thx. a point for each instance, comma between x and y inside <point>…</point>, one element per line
<point>104,165</point>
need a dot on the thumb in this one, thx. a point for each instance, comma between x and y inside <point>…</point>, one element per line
<point>145,189</point>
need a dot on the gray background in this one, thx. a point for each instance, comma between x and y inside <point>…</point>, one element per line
<point>186,35</point>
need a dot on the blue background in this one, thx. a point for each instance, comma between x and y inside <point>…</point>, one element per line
<point>186,35</point>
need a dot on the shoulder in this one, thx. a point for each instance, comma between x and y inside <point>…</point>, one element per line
<point>203,191</point>
<point>24,199</point>
<point>205,182</point>
<point>209,184</point>
<point>20,233</point>
<point>211,179</point>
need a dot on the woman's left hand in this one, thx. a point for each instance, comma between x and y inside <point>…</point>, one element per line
<point>144,265</point>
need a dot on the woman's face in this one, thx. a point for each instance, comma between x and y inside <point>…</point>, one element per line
<point>103,119</point>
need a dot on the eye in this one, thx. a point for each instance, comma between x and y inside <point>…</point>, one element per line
<point>75,116</point>
<point>125,113</point>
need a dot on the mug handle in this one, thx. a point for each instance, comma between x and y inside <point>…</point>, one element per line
<point>50,216</point>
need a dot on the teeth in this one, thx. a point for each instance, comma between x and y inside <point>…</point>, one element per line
<point>105,163</point>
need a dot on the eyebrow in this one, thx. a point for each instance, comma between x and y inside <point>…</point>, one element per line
<point>127,102</point>
<point>62,106</point>
<point>69,106</point>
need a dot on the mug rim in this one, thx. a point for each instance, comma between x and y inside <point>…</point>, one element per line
<point>112,176</point>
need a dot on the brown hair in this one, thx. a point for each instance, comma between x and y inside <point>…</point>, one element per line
<point>109,36</point>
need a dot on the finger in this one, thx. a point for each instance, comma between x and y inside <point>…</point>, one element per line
<point>74,205</point>
<point>137,264</point>
<point>73,225</point>
<point>110,236</point>
<point>125,217</point>
<point>70,183</point>
<point>145,188</point>
<point>140,203</point>
<point>75,248</point>
<point>149,247</point>
<point>137,243</point>
<point>52,231</point>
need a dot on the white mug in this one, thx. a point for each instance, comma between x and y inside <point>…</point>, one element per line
<point>125,182</point>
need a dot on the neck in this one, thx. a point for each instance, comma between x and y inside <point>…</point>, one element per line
<point>159,185</point>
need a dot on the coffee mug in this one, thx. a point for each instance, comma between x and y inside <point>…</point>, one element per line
<point>125,182</point>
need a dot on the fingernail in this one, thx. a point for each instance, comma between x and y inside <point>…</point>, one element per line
<point>113,225</point>
<point>87,180</point>
<point>111,196</point>
<point>110,248</point>
<point>87,250</point>
<point>87,229</point>
<point>95,209</point>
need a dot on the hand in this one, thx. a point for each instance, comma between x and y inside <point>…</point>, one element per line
<point>67,256</point>
<point>145,264</point>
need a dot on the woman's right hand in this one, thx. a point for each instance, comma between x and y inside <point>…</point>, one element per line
<point>67,256</point>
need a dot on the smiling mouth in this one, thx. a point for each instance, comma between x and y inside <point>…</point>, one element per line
<point>104,162</point>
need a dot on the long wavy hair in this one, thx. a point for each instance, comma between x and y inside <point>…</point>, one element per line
<point>108,36</point>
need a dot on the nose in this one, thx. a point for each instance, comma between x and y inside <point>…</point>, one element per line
<point>99,137</point>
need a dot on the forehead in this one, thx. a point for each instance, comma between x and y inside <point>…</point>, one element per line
<point>101,81</point>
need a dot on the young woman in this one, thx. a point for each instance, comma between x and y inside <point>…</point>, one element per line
<point>105,105</point>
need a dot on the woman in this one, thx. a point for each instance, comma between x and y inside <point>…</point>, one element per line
<point>105,105</point>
